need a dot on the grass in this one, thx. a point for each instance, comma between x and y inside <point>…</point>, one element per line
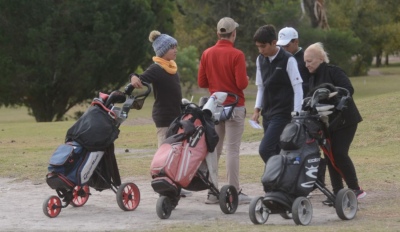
<point>25,148</point>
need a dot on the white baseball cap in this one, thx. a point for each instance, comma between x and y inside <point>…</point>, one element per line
<point>286,35</point>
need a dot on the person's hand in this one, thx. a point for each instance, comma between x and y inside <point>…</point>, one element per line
<point>256,116</point>
<point>136,82</point>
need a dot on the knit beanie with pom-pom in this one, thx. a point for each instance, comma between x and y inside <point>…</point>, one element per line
<point>161,42</point>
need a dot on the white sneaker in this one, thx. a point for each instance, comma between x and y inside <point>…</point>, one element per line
<point>211,199</point>
<point>243,198</point>
<point>185,193</point>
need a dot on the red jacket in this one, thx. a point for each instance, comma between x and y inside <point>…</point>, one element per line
<point>223,68</point>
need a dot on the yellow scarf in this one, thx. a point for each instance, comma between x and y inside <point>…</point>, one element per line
<point>169,66</point>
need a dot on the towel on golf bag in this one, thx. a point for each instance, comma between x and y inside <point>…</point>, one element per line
<point>180,156</point>
<point>293,171</point>
<point>95,130</point>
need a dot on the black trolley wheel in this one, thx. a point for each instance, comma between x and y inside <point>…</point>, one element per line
<point>302,211</point>
<point>228,199</point>
<point>346,204</point>
<point>164,207</point>
<point>258,211</point>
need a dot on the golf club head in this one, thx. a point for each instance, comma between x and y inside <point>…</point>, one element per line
<point>203,100</point>
<point>185,101</point>
<point>319,94</point>
<point>115,97</point>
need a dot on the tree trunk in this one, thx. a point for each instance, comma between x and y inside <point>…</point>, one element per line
<point>387,59</point>
<point>317,12</point>
<point>378,61</point>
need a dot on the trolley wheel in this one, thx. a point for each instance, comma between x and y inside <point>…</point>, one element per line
<point>258,211</point>
<point>174,201</point>
<point>346,204</point>
<point>302,211</point>
<point>52,206</point>
<point>228,199</point>
<point>164,207</point>
<point>287,215</point>
<point>80,195</point>
<point>128,196</point>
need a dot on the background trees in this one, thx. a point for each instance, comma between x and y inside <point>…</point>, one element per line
<point>55,54</point>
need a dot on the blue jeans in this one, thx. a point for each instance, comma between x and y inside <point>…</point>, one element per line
<point>273,128</point>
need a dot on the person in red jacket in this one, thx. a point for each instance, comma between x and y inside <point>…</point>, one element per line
<point>223,68</point>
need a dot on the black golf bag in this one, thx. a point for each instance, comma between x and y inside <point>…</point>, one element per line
<point>295,169</point>
<point>89,145</point>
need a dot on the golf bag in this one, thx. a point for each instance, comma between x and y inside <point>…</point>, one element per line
<point>295,169</point>
<point>182,153</point>
<point>87,141</point>
<point>190,138</point>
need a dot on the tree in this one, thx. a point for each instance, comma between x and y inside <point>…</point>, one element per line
<point>57,54</point>
<point>187,61</point>
<point>375,22</point>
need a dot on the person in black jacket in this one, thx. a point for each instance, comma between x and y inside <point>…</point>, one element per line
<point>164,77</point>
<point>279,90</point>
<point>342,134</point>
<point>288,39</point>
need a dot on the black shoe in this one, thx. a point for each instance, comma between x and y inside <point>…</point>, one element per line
<point>360,193</point>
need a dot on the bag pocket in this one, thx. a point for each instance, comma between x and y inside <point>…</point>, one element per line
<point>293,136</point>
<point>62,155</point>
<point>226,113</point>
<point>64,158</point>
<point>273,171</point>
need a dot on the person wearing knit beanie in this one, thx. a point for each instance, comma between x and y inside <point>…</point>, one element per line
<point>164,77</point>
<point>161,42</point>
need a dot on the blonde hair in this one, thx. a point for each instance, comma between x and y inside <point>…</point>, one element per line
<point>319,51</point>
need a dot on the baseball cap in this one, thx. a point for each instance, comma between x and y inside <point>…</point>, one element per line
<point>286,35</point>
<point>226,25</point>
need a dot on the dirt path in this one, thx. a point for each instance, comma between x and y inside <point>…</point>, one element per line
<point>21,210</point>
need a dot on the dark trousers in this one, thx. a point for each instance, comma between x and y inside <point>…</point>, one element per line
<point>269,145</point>
<point>273,128</point>
<point>340,143</point>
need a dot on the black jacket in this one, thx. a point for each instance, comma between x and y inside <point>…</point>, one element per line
<point>278,92</point>
<point>167,93</point>
<point>334,75</point>
<point>304,73</point>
